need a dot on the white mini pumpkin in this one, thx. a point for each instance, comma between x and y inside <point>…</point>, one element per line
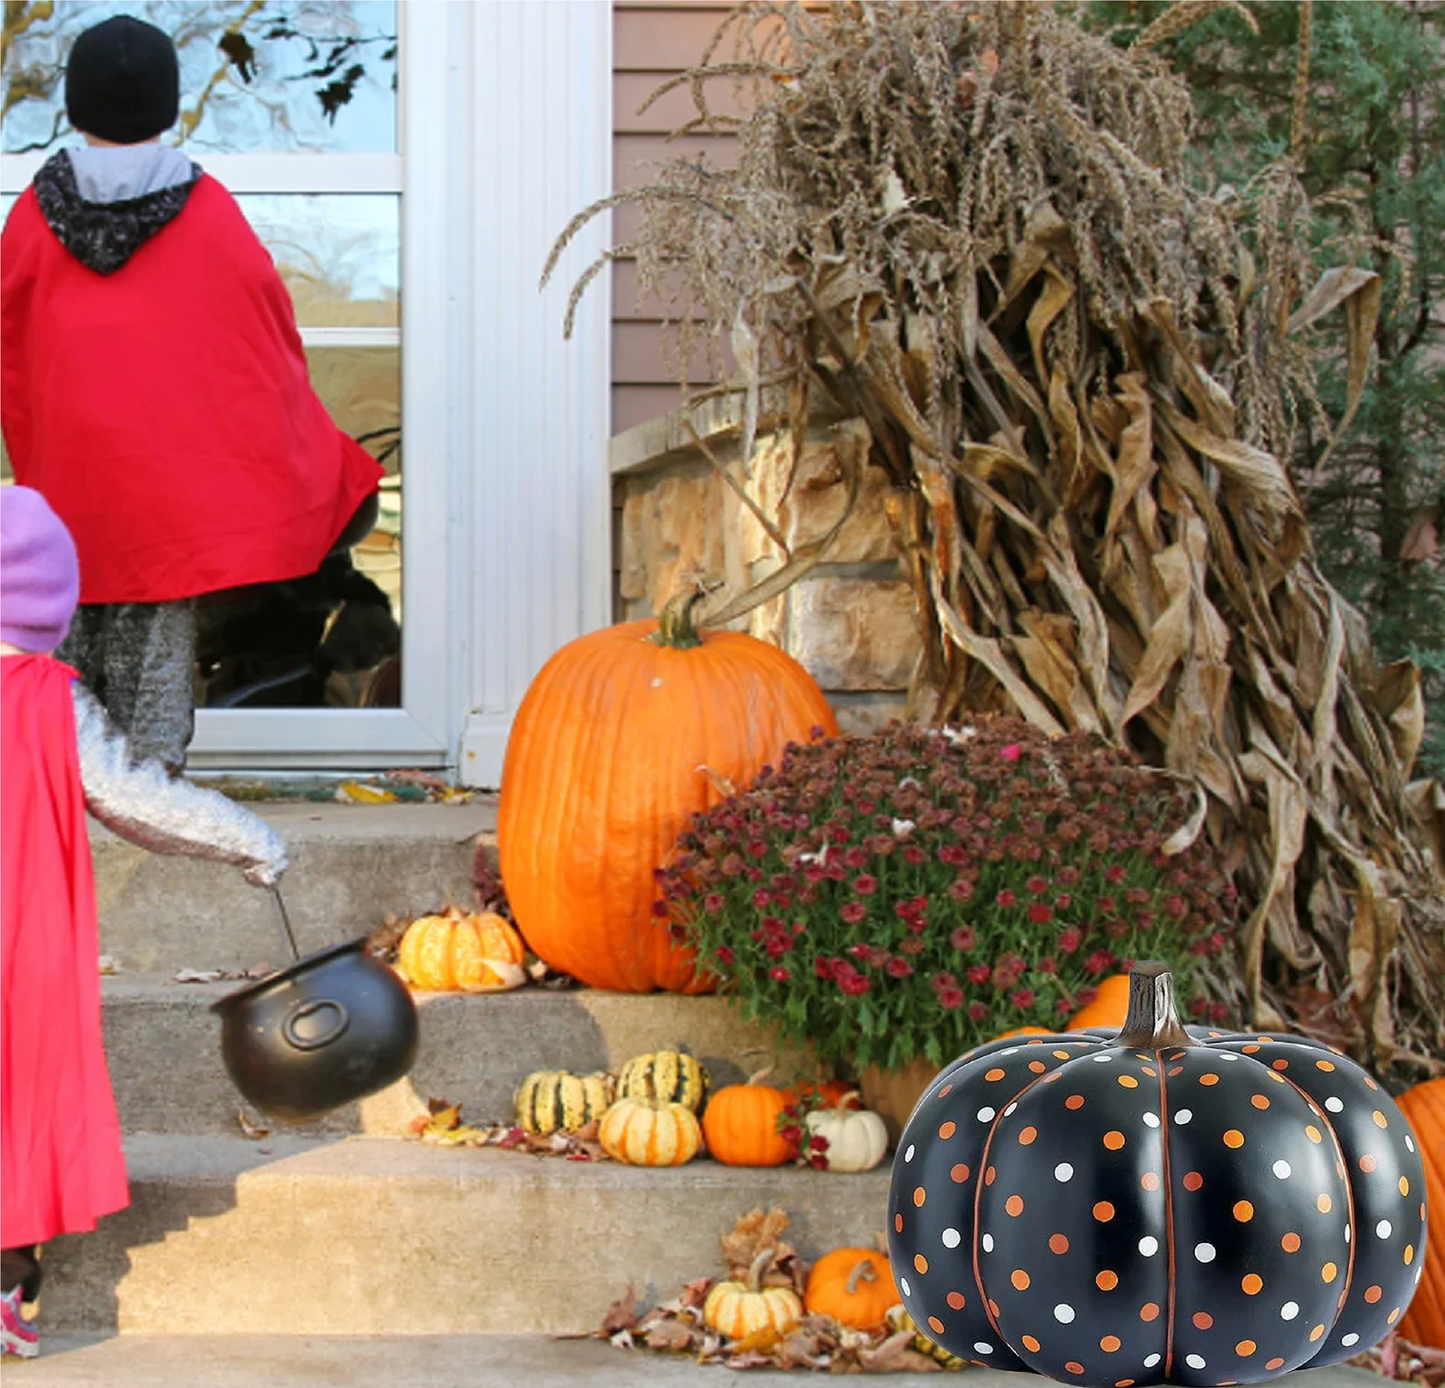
<point>857,1139</point>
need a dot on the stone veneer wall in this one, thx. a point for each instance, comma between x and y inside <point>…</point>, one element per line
<point>850,621</point>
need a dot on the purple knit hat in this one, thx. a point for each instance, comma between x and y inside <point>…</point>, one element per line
<point>39,575</point>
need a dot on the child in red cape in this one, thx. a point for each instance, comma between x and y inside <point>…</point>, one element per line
<point>154,389</point>
<point>61,1166</point>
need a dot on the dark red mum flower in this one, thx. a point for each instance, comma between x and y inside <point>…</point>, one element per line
<point>724,954</point>
<point>980,973</point>
<point>853,912</point>
<point>1041,913</point>
<point>950,998</point>
<point>978,1011</point>
<point>854,985</point>
<point>963,939</point>
<point>779,974</point>
<point>1006,898</point>
<point>898,967</point>
<point>1023,999</point>
<point>865,884</point>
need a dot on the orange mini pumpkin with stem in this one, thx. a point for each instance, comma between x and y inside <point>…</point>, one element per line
<point>853,1285</point>
<point>740,1124</point>
<point>622,737</point>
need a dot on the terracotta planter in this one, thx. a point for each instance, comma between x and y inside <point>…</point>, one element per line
<point>893,1094</point>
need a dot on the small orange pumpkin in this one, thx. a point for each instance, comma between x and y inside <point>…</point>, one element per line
<point>1108,1009</point>
<point>1424,1106</point>
<point>460,953</point>
<point>740,1124</point>
<point>853,1285</point>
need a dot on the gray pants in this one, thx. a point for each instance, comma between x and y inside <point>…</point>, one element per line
<point>139,660</point>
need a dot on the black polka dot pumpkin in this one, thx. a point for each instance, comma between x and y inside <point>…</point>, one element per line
<point>1167,1205</point>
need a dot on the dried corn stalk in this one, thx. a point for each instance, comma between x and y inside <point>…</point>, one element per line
<point>971,228</point>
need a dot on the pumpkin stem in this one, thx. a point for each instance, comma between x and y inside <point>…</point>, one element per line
<point>842,1104</point>
<point>863,1271</point>
<point>762,1074</point>
<point>759,1266</point>
<point>674,623</point>
<point>1152,1022</point>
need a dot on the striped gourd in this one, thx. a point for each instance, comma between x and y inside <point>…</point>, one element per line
<point>899,1319</point>
<point>552,1101</point>
<point>646,1132</point>
<point>673,1077</point>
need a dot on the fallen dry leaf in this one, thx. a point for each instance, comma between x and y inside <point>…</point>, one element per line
<point>249,1128</point>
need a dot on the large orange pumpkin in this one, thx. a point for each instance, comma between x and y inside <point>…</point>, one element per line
<point>1424,1106</point>
<point>622,737</point>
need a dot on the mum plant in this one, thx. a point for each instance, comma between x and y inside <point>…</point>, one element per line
<point>913,892</point>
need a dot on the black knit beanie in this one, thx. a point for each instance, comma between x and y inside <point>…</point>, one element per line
<point>123,81</point>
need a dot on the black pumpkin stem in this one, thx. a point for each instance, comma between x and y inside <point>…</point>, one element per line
<point>674,623</point>
<point>1152,1023</point>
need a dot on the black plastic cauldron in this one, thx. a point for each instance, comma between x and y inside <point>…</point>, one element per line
<point>335,1026</point>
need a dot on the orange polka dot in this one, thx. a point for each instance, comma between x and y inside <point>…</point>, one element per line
<point>1250,1050</point>
<point>1251,1283</point>
<point>1372,1294</point>
<point>1149,1181</point>
<point>898,1224</point>
<point>1027,1136</point>
<point>945,1091</point>
<point>1074,1367</point>
<point>1058,1243</point>
<point>1409,1254</point>
<point>935,1325</point>
<point>1245,1348</point>
<point>1370,1084</point>
<point>1290,1242</point>
<point>1324,1204</point>
<point>990,1176</point>
<point>1210,1078</point>
<point>1259,1101</point>
<point>1275,1363</point>
<point>1234,1138</point>
<point>1074,1101</point>
<point>920,1262</point>
<point>1328,1272</point>
<point>1103,1212</point>
<point>1031,1344</point>
<point>993,1308</point>
<point>1149,1311</point>
<point>994,1074</point>
<point>1123,1383</point>
<point>1202,1320</point>
<point>1110,1343</point>
<point>1128,1082</point>
<point>1325,1065</point>
<point>1367,1162</point>
<point>1280,1064</point>
<point>947,1130</point>
<point>1020,1279</point>
<point>1113,1140</point>
<point>1391,1318</point>
<point>1176,1069</point>
<point>1106,1281</point>
<point>1316,1333</point>
<point>1404,1186</point>
<point>1192,1180</point>
<point>955,1301</point>
<point>1037,1066</point>
<point>958,1173</point>
<point>1313,1133</point>
<point>1014,1205</point>
<point>1150,1071</point>
<point>1379,1119</point>
<point>1243,1211</point>
<point>919,1196</point>
<point>1061,1055</point>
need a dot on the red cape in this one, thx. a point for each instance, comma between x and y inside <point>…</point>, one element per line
<point>165,410</point>
<point>60,1145</point>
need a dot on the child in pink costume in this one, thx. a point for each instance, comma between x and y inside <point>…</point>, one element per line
<point>61,1164</point>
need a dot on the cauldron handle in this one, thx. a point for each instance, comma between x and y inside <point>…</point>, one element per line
<point>285,922</point>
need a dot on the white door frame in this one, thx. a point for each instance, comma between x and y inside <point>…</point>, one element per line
<point>505,132</point>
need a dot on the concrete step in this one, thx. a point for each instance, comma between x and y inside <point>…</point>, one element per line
<point>350,865</point>
<point>363,1235</point>
<point>163,1046</point>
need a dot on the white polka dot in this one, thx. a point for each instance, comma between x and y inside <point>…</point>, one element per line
<point>1195,1361</point>
<point>1350,1339</point>
<point>1289,1310</point>
<point>1282,1169</point>
<point>1102,1059</point>
<point>1409,1143</point>
<point>1063,1172</point>
<point>985,1115</point>
<point>1347,1233</point>
<point>908,1155</point>
<point>1335,1104</point>
<point>951,1238</point>
<point>1064,1313</point>
<point>1012,1050</point>
<point>983,1347</point>
<point>1151,1360</point>
<point>1228,1055</point>
<point>1204,1252</point>
<point>1383,1229</point>
<point>1148,1245</point>
<point>1009,1110</point>
<point>987,1243</point>
<point>1183,1116</point>
<point>1151,1120</point>
<point>903,1285</point>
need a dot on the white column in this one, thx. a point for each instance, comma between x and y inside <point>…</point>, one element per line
<point>533,421</point>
